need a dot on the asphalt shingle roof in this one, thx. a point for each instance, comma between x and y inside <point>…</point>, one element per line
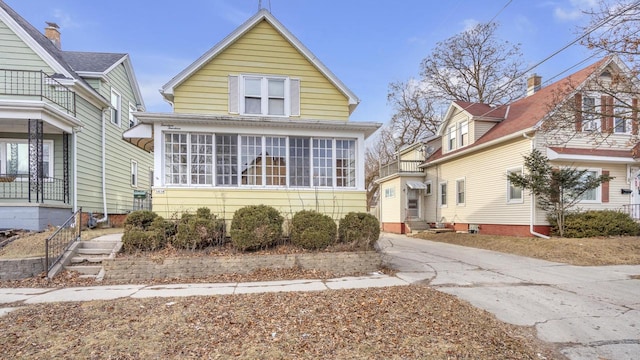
<point>91,61</point>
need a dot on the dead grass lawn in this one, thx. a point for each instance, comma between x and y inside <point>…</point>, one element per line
<point>408,322</point>
<point>32,244</point>
<point>584,252</point>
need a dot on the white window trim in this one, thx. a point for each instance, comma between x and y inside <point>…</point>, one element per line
<point>598,190</point>
<point>133,121</point>
<point>509,199</point>
<point>628,122</point>
<point>446,186</point>
<point>596,122</point>
<point>451,135</point>
<point>134,174</point>
<point>429,190</point>
<point>264,94</point>
<point>117,122</point>
<point>389,192</point>
<point>459,139</point>
<point>238,175</point>
<point>3,155</point>
<point>464,180</point>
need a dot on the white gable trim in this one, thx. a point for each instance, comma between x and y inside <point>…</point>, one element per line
<point>167,89</point>
<point>33,44</point>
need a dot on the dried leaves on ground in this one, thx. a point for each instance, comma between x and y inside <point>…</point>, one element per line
<point>581,252</point>
<point>410,322</point>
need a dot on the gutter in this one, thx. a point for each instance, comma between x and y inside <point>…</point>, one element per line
<point>532,213</point>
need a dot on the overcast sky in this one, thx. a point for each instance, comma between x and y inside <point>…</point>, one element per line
<point>367,44</point>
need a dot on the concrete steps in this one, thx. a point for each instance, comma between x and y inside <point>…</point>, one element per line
<point>87,257</point>
<point>416,226</point>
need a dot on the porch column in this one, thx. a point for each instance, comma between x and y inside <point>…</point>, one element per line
<point>65,164</point>
<point>35,161</point>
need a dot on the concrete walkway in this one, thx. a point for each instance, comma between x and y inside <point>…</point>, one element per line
<point>591,312</point>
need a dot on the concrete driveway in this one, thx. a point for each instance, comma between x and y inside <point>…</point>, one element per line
<point>589,312</point>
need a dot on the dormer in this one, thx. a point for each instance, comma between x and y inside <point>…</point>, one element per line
<point>466,122</point>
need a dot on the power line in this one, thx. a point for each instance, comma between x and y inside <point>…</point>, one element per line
<point>500,11</point>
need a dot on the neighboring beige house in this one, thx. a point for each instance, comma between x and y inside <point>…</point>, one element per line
<point>62,115</point>
<point>257,119</point>
<point>465,176</point>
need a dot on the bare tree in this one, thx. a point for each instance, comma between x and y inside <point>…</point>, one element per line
<point>608,103</point>
<point>475,66</point>
<point>472,66</point>
<point>614,27</point>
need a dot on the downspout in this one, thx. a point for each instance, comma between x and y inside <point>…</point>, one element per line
<point>532,213</point>
<point>105,216</point>
<point>74,145</point>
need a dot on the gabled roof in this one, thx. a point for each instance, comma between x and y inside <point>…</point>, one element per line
<point>92,62</point>
<point>476,111</point>
<point>98,65</point>
<point>529,112</point>
<point>262,15</point>
<point>43,46</point>
<point>68,64</point>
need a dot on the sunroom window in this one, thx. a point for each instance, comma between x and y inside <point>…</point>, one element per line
<point>258,160</point>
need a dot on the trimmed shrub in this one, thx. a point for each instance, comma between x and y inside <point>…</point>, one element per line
<point>359,229</point>
<point>139,219</point>
<point>139,233</point>
<point>199,231</point>
<point>313,230</point>
<point>139,240</point>
<point>165,231</point>
<point>594,223</point>
<point>256,227</point>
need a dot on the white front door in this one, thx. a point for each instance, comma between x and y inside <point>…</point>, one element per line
<point>413,203</point>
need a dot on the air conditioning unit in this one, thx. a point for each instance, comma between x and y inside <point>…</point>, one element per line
<point>589,126</point>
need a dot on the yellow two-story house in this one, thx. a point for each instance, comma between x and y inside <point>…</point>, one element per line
<point>257,119</point>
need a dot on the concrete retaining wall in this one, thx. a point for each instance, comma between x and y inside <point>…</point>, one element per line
<point>16,269</point>
<point>198,267</point>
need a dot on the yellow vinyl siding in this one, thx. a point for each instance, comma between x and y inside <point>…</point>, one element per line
<point>224,202</point>
<point>486,187</point>
<point>391,207</point>
<point>262,50</point>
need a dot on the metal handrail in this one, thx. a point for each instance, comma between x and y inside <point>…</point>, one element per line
<point>60,241</point>
<point>16,186</point>
<point>400,166</point>
<point>38,84</point>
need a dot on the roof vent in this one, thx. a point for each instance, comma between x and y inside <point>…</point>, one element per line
<point>52,32</point>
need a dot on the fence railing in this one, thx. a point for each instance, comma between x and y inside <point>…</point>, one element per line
<point>37,84</point>
<point>400,166</point>
<point>633,210</point>
<point>61,240</point>
<point>17,186</point>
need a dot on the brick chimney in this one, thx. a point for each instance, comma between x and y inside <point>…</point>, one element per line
<point>52,32</point>
<point>534,83</point>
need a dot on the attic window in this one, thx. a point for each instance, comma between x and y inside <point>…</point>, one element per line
<point>265,95</point>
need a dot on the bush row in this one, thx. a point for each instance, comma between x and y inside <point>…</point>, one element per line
<point>594,223</point>
<point>252,228</point>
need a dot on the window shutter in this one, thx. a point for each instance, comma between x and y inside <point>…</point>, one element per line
<point>578,105</point>
<point>634,116</point>
<point>606,106</point>
<point>294,91</point>
<point>234,94</point>
<point>605,188</point>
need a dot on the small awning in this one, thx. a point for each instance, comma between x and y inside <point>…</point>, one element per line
<point>416,185</point>
<point>141,136</point>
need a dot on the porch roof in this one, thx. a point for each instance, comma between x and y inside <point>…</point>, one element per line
<point>144,130</point>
